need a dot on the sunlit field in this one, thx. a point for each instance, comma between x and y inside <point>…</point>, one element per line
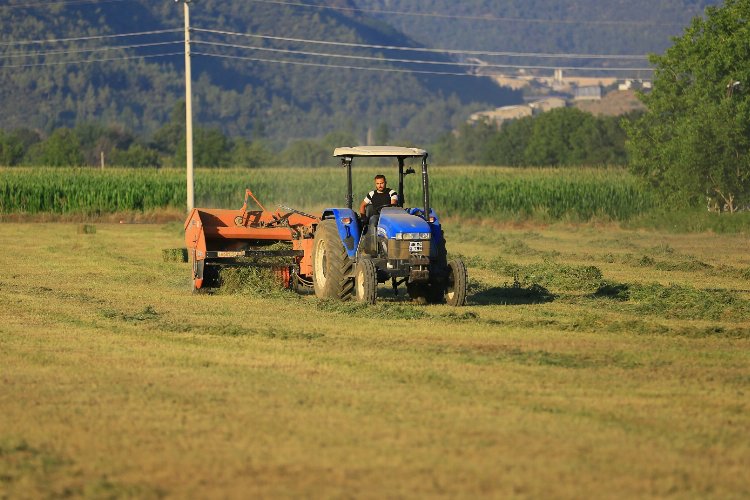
<point>590,361</point>
<point>554,193</point>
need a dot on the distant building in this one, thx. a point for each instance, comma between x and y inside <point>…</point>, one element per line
<point>589,93</point>
<point>499,115</point>
<point>634,84</point>
<point>505,113</point>
<point>513,82</point>
<point>543,105</point>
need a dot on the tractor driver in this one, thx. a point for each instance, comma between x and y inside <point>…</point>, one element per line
<point>379,198</point>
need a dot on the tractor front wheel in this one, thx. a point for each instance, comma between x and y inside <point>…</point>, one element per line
<point>366,282</point>
<point>455,291</point>
<point>332,266</point>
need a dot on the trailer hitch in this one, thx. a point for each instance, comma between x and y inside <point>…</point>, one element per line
<point>244,219</point>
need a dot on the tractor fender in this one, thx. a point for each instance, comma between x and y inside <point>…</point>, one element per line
<point>347,223</point>
<point>420,213</point>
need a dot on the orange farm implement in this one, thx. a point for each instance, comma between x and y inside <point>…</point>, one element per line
<point>218,238</point>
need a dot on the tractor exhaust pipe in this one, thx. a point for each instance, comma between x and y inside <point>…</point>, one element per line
<point>425,189</point>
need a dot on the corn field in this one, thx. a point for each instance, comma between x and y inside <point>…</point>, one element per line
<point>486,192</point>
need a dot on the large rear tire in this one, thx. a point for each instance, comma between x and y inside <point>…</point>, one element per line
<point>332,267</point>
<point>455,290</point>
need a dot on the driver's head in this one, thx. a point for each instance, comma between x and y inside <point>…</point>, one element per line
<point>380,183</point>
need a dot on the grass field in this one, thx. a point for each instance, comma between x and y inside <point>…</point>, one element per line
<point>591,361</point>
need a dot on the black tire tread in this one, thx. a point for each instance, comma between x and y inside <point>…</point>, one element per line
<point>366,269</point>
<point>339,283</point>
<point>459,277</point>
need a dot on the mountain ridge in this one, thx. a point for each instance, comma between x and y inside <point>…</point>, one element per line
<point>285,101</point>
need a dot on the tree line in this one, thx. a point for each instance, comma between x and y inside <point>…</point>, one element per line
<point>693,144</point>
<point>565,136</point>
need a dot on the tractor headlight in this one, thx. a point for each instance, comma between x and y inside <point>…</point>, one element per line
<point>413,236</point>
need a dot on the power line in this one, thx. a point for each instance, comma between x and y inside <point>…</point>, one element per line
<point>409,61</point>
<point>400,70</point>
<point>82,61</point>
<point>424,49</point>
<point>62,2</point>
<point>324,65</point>
<point>470,18</point>
<point>96,49</point>
<point>84,38</point>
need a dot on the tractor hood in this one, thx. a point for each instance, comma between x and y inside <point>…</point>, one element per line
<point>396,220</point>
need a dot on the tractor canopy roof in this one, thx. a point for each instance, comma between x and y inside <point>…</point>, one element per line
<point>380,151</point>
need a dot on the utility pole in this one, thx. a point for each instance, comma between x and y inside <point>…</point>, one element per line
<point>188,110</point>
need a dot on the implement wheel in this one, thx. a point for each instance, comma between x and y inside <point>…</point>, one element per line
<point>206,277</point>
<point>332,267</point>
<point>366,282</point>
<point>455,291</point>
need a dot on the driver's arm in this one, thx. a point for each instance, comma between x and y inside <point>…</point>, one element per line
<point>362,207</point>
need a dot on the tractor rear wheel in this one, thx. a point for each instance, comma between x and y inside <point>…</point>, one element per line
<point>455,291</point>
<point>332,267</point>
<point>366,282</point>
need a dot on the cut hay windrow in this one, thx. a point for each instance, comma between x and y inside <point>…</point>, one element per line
<point>479,192</point>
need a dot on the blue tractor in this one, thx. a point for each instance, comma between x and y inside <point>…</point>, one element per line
<point>404,245</point>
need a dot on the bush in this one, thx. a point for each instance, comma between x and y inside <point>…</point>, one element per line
<point>136,156</point>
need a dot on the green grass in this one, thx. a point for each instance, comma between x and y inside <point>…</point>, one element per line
<point>541,195</point>
<point>489,192</point>
<point>576,370</point>
<point>693,220</point>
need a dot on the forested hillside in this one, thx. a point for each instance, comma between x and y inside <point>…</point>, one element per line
<point>242,97</point>
<point>134,82</point>
<point>583,26</point>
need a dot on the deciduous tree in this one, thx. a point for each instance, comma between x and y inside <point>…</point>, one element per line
<point>693,142</point>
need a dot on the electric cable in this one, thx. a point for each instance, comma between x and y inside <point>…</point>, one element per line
<point>424,49</point>
<point>93,49</point>
<point>82,61</point>
<point>62,2</point>
<point>401,70</point>
<point>409,61</point>
<point>470,18</point>
<point>93,37</point>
